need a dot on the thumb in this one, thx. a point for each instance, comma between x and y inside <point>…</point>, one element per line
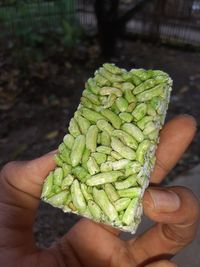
<point>163,263</point>
<point>176,210</point>
<point>21,183</point>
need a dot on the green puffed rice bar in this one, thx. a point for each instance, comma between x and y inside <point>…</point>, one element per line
<point>105,159</point>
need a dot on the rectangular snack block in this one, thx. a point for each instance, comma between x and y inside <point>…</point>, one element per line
<point>104,162</point>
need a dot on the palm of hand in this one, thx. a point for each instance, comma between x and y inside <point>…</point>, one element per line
<point>89,243</point>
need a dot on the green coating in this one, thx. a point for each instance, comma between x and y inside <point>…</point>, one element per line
<point>91,138</point>
<point>94,210</point>
<point>77,196</point>
<point>128,182</point>
<point>115,155</point>
<point>92,166</point>
<point>126,138</point>
<point>104,162</point>
<point>131,107</point>
<point>127,86</point>
<point>150,110</point>
<point>158,73</point>
<point>142,123</point>
<point>85,192</point>
<point>112,117</point>
<point>112,78</point>
<point>115,109</point>
<point>132,168</point>
<point>110,158</point>
<point>124,151</point>
<point>111,192</point>
<point>130,192</point>
<point>101,81</point>
<point>86,155</point>
<point>48,184</point>
<point>64,153</point>
<point>121,214</point>
<point>110,90</point>
<point>65,158</point>
<point>68,140</point>
<point>103,178</point>
<point>105,138</point>
<point>129,96</point>
<point>117,85</point>
<point>77,113</point>
<point>91,115</point>
<point>58,160</point>
<point>140,111</point>
<point>136,80</point>
<point>99,157</point>
<point>91,97</point>
<point>120,164</point>
<point>127,77</point>
<point>86,102</point>
<point>83,124</point>
<point>102,200</point>
<point>72,207</point>
<point>142,150</point>
<point>122,203</point>
<point>104,149</point>
<point>87,213</point>
<point>122,104</point>
<point>134,131</point>
<point>93,86</point>
<point>143,74</point>
<point>154,135</point>
<point>73,128</point>
<point>80,173</point>
<point>125,116</point>
<point>149,94</point>
<point>128,217</point>
<point>58,176</point>
<point>55,189</point>
<point>161,79</point>
<point>103,125</point>
<point>112,68</point>
<point>67,181</point>
<point>109,101</point>
<point>144,86</point>
<point>58,199</point>
<point>69,199</point>
<point>77,150</point>
<point>106,166</point>
<point>149,128</point>
<point>97,108</point>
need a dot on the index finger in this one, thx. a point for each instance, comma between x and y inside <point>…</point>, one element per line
<point>175,138</point>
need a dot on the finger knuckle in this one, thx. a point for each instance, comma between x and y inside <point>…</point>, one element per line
<point>175,237</point>
<point>7,168</point>
<point>191,202</point>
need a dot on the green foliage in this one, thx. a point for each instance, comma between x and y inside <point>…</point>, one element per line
<point>71,33</point>
<point>39,27</point>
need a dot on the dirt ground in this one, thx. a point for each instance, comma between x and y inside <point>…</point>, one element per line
<point>37,101</point>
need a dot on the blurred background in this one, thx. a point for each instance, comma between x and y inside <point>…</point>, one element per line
<point>49,48</point>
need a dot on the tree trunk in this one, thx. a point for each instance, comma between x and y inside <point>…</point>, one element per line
<point>107,15</point>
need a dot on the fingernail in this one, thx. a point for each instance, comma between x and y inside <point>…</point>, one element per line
<point>192,119</point>
<point>52,152</point>
<point>164,200</point>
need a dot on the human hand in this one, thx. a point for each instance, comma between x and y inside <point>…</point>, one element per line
<point>175,209</point>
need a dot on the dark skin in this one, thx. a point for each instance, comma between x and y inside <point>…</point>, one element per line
<point>176,213</point>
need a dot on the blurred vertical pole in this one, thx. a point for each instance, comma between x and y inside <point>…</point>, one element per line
<point>107,14</point>
<point>158,15</point>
